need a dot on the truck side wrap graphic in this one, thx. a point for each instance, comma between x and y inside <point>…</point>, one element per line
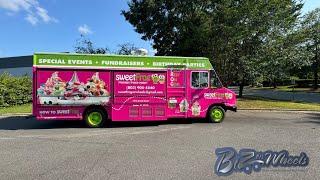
<point>65,88</point>
<point>126,88</point>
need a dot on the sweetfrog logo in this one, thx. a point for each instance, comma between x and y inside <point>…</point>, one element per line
<point>155,78</point>
<point>218,95</point>
<point>125,77</point>
<point>158,78</point>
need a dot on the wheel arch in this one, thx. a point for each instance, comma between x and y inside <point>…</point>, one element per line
<point>94,107</point>
<point>216,104</point>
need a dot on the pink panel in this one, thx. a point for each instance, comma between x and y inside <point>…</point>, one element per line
<point>60,112</point>
<point>138,112</point>
<point>139,100</point>
<point>139,108</point>
<point>176,78</point>
<point>176,93</point>
<point>139,83</point>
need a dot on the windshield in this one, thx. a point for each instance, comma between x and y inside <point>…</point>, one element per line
<point>214,80</point>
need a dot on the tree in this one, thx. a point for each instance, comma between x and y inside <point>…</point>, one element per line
<point>282,53</point>
<point>126,49</point>
<point>229,32</point>
<point>168,23</point>
<point>85,46</point>
<point>310,28</point>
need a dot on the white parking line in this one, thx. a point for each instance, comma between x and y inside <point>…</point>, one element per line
<point>157,131</point>
<point>6,138</point>
<point>106,133</point>
<point>101,132</point>
<point>77,135</point>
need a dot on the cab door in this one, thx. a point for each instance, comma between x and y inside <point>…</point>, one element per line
<point>177,92</point>
<point>199,88</point>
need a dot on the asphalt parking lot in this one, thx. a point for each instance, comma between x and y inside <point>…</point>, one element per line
<point>65,150</point>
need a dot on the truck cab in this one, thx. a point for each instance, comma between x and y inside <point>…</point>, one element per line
<point>198,94</point>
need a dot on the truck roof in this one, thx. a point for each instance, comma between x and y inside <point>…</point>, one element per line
<point>72,60</point>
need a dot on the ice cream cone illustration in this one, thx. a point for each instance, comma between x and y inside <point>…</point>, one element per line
<point>74,79</point>
<point>196,108</point>
<point>96,86</point>
<point>73,89</point>
<point>184,105</point>
<point>51,90</point>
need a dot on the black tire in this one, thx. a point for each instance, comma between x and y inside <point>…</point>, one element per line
<point>95,117</point>
<point>216,114</point>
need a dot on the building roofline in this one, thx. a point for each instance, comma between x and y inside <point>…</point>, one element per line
<point>16,62</point>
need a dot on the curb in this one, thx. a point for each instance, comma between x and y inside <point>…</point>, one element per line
<point>277,90</point>
<point>279,110</point>
<point>16,114</point>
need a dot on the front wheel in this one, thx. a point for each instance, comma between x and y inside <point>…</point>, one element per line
<point>216,114</point>
<point>95,118</point>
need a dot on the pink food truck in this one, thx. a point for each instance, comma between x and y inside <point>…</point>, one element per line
<point>98,88</point>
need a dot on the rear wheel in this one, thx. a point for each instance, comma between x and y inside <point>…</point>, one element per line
<point>95,117</point>
<point>216,114</point>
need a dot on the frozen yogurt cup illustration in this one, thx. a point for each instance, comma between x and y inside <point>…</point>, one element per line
<point>161,79</point>
<point>74,89</point>
<point>155,78</point>
<point>53,84</point>
<point>172,103</point>
<point>51,90</point>
<point>196,108</point>
<point>184,105</point>
<point>96,87</point>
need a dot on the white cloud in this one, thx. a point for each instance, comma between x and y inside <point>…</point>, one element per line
<point>43,14</point>
<point>84,29</point>
<point>32,19</point>
<point>16,5</point>
<point>34,12</point>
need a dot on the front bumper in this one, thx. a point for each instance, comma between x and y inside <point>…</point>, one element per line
<point>232,108</point>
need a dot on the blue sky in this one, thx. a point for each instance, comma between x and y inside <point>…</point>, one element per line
<point>29,26</point>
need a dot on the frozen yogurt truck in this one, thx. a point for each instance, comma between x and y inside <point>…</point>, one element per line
<point>102,88</point>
